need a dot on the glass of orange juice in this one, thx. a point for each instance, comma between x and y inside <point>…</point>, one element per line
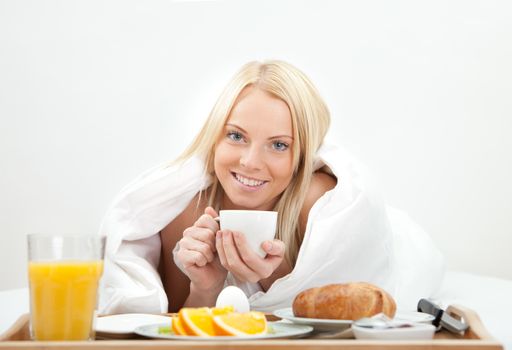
<point>64,272</point>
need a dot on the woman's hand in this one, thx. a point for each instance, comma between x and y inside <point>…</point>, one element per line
<point>243,262</point>
<point>197,254</point>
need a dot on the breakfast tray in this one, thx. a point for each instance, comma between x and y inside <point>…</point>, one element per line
<point>476,337</point>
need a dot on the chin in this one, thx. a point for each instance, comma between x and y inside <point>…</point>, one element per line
<point>246,204</point>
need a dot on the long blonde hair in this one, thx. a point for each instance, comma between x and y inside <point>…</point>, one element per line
<point>310,122</point>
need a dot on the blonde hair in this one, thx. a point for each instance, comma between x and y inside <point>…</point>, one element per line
<point>310,122</point>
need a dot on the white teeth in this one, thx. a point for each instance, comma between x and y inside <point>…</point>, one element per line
<point>249,182</point>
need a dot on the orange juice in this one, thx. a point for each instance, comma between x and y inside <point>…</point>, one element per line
<point>63,298</point>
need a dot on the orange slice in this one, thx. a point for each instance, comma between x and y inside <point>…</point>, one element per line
<point>177,327</point>
<point>197,321</point>
<point>222,310</point>
<point>243,324</point>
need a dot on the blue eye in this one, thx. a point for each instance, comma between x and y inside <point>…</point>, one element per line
<point>235,136</point>
<point>280,146</point>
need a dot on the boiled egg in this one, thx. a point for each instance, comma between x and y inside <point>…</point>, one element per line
<point>233,296</point>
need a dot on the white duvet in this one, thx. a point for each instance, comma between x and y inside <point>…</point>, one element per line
<point>351,235</point>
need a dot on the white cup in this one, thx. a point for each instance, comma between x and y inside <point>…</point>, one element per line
<point>256,225</point>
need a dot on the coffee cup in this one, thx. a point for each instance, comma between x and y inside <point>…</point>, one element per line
<point>256,225</point>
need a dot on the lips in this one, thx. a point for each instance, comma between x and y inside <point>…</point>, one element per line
<point>248,181</point>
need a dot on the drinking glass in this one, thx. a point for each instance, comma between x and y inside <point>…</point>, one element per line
<point>64,273</point>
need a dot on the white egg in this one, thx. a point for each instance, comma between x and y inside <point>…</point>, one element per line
<point>234,296</point>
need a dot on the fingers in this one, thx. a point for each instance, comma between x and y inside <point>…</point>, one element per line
<point>256,263</point>
<point>274,247</point>
<point>230,258</point>
<point>236,255</point>
<point>204,243</point>
<point>275,252</point>
<point>201,234</point>
<point>220,248</point>
<point>191,258</point>
<point>207,220</point>
<point>204,228</point>
<point>195,245</point>
<point>210,211</point>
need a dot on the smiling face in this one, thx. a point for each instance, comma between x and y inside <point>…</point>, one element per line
<point>253,157</point>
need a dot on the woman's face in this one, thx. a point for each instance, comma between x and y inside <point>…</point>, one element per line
<point>253,157</point>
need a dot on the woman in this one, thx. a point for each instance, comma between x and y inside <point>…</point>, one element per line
<point>259,144</point>
<point>262,148</point>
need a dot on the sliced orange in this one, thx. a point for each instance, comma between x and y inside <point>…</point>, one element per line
<point>222,310</point>
<point>197,321</point>
<point>243,324</point>
<point>177,327</point>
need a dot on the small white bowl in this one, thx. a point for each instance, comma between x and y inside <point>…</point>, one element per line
<point>418,331</point>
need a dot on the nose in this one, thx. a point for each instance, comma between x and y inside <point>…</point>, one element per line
<point>251,158</point>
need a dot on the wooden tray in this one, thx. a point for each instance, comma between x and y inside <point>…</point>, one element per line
<point>476,337</point>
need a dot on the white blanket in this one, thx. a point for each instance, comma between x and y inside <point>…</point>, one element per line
<point>350,236</point>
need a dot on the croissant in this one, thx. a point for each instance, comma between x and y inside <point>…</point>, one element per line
<point>349,301</point>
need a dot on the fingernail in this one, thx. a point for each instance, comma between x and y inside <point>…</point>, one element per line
<point>225,234</point>
<point>217,235</point>
<point>269,245</point>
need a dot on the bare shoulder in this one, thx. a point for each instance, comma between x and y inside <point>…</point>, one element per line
<point>320,183</point>
<point>186,218</point>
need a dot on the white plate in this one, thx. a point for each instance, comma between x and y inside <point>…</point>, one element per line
<point>419,331</point>
<point>321,324</point>
<point>276,330</point>
<point>126,323</point>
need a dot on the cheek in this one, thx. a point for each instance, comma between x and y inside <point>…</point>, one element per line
<point>283,170</point>
<point>223,157</point>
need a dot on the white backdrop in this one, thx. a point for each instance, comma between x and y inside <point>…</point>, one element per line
<point>94,92</point>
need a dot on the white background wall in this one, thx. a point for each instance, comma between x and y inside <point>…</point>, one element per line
<point>94,92</point>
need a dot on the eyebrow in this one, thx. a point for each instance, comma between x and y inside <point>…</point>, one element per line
<point>270,138</point>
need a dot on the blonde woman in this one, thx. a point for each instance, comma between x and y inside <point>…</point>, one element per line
<point>259,144</point>
<point>262,148</point>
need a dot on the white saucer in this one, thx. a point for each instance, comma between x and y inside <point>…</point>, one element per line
<point>126,323</point>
